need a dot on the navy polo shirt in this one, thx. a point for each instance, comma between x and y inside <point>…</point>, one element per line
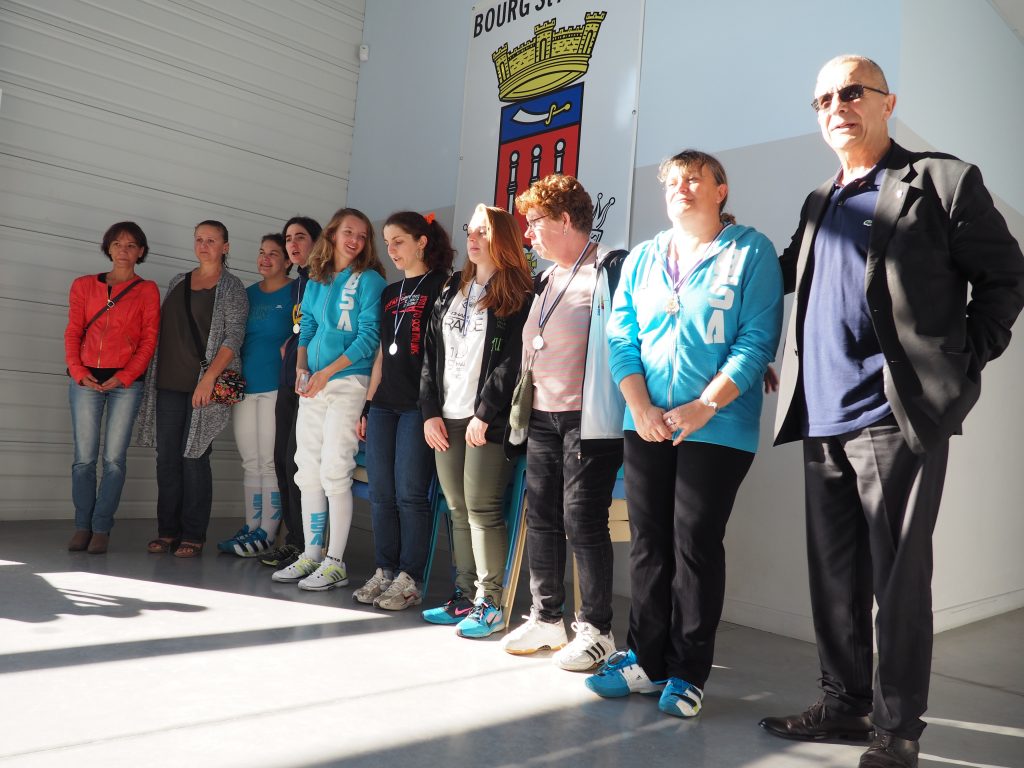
<point>841,360</point>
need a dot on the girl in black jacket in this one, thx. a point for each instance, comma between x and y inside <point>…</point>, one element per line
<point>471,363</point>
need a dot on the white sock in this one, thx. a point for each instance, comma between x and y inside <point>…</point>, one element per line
<point>340,509</point>
<point>313,523</point>
<point>253,506</point>
<point>272,505</point>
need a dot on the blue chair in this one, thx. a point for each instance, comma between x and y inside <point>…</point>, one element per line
<point>515,521</point>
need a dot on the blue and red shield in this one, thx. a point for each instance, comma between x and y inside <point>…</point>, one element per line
<point>537,137</point>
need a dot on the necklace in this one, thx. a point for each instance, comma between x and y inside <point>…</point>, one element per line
<point>542,317</point>
<point>400,315</point>
<point>297,307</point>
<point>672,305</point>
<point>465,309</point>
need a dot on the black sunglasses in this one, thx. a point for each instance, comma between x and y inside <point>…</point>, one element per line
<point>848,93</point>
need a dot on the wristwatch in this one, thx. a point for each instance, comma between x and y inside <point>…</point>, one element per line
<point>709,403</point>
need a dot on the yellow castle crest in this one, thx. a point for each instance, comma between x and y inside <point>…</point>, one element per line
<point>549,60</point>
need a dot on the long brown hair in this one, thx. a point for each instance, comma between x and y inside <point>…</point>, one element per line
<point>321,258</point>
<point>512,282</point>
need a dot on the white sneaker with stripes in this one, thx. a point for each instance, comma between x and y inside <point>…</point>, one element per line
<point>588,649</point>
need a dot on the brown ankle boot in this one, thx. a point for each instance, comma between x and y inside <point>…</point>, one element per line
<point>79,541</point>
<point>98,543</point>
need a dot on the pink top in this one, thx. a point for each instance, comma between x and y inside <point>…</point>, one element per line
<point>558,366</point>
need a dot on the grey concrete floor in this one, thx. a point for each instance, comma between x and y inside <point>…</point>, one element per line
<point>137,659</point>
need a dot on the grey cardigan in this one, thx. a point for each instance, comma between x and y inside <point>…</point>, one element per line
<point>227,329</point>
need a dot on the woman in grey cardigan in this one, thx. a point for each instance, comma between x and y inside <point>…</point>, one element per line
<point>177,403</point>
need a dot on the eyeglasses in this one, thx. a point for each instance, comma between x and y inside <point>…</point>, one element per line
<point>532,223</point>
<point>480,231</point>
<point>845,94</point>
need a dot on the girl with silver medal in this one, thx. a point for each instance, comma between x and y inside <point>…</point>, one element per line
<point>399,464</point>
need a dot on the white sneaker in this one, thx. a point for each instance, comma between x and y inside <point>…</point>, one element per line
<point>331,573</point>
<point>400,595</point>
<point>535,635</point>
<point>587,650</point>
<point>300,569</point>
<point>374,587</point>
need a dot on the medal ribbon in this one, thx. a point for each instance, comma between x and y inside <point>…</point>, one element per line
<point>399,315</point>
<point>683,278</point>
<point>542,317</point>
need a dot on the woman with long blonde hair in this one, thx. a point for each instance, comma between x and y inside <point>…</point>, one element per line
<point>471,362</point>
<point>338,338</point>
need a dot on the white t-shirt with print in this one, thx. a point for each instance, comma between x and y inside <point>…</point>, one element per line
<point>463,329</point>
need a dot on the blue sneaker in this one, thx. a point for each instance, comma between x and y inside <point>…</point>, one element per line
<point>622,675</point>
<point>485,619</point>
<point>252,544</point>
<point>452,612</point>
<point>680,698</point>
<point>228,545</point>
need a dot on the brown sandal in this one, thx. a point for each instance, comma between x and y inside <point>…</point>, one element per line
<point>189,549</point>
<point>161,546</point>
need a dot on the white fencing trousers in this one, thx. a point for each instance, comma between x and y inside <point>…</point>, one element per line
<point>325,436</point>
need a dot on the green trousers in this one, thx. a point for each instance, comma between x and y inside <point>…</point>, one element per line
<point>474,481</point>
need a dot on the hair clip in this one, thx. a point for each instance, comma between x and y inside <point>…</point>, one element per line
<point>429,217</point>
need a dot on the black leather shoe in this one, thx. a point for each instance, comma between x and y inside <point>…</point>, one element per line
<point>816,723</point>
<point>888,751</point>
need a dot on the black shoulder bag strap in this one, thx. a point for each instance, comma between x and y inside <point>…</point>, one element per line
<point>110,304</point>
<point>193,327</point>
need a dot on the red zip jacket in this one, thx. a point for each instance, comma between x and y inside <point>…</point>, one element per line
<point>123,338</point>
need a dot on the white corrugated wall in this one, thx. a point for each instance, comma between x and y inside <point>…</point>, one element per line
<point>165,112</point>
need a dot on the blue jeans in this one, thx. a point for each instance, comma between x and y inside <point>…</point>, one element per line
<point>184,486</point>
<point>400,466</point>
<point>95,511</point>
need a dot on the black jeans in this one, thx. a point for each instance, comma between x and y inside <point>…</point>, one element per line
<point>569,486</point>
<point>285,414</point>
<point>872,504</point>
<point>680,499</point>
<point>184,486</point>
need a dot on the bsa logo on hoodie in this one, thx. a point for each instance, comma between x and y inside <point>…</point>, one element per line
<point>348,302</point>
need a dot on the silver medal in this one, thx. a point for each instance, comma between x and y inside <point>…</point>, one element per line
<point>393,349</point>
<point>295,328</point>
<point>538,342</point>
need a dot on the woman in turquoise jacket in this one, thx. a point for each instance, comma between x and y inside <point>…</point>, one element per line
<point>338,340</point>
<point>694,325</point>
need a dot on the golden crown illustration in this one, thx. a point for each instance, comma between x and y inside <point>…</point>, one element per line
<point>550,59</point>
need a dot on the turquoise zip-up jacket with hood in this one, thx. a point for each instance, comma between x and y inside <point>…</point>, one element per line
<point>729,319</point>
<point>342,318</point>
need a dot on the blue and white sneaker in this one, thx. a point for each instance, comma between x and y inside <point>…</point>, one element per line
<point>228,545</point>
<point>252,544</point>
<point>622,675</point>
<point>485,619</point>
<point>455,610</point>
<point>680,698</point>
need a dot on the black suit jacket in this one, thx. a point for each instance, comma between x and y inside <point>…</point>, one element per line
<point>935,231</point>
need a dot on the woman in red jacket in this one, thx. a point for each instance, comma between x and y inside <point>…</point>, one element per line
<point>113,321</point>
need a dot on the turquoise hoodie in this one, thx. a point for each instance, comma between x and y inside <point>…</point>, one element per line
<point>342,318</point>
<point>729,320</point>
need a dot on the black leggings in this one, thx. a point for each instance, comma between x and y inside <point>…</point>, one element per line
<point>285,413</point>
<point>680,499</point>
